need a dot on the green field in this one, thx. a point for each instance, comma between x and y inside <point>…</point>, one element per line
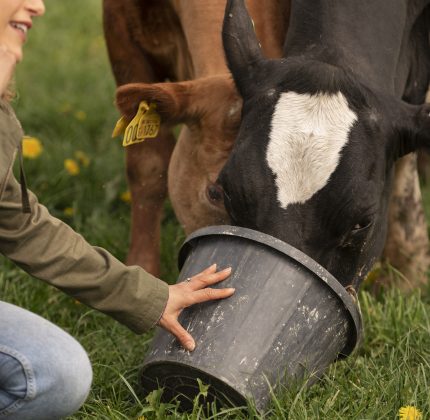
<point>65,99</point>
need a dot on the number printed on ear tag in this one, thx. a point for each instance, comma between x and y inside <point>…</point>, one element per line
<point>145,125</point>
<point>149,124</point>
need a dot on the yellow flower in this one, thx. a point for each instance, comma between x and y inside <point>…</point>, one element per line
<point>126,197</point>
<point>81,115</point>
<point>82,158</point>
<point>72,167</point>
<point>410,413</point>
<point>69,211</point>
<point>31,147</point>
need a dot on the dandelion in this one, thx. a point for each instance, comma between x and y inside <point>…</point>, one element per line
<point>410,413</point>
<point>82,158</point>
<point>81,115</point>
<point>31,147</point>
<point>69,211</point>
<point>126,197</point>
<point>72,167</point>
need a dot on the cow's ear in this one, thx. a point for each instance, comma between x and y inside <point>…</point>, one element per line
<point>413,129</point>
<point>241,46</point>
<point>180,102</point>
<point>172,99</point>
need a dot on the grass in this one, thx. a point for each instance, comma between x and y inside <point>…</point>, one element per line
<point>65,98</point>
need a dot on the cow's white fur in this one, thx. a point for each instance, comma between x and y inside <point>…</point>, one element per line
<point>307,135</point>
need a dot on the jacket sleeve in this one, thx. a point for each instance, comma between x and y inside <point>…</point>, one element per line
<point>50,250</point>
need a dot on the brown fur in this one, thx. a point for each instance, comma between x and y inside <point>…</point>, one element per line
<point>153,41</point>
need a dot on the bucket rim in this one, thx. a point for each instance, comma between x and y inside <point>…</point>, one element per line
<point>208,373</point>
<point>291,252</point>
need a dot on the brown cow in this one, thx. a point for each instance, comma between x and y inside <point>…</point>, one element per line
<point>151,41</point>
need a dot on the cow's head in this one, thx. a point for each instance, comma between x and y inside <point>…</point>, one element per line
<point>313,160</point>
<point>210,109</point>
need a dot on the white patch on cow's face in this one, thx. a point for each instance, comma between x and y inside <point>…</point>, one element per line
<point>307,135</point>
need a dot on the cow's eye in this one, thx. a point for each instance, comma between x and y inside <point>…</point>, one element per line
<point>361,226</point>
<point>354,237</point>
<point>215,193</point>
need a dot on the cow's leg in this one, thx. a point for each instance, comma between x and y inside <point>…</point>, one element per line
<point>146,162</point>
<point>147,165</point>
<point>407,246</point>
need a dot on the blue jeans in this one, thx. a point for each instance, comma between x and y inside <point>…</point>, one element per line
<point>44,372</point>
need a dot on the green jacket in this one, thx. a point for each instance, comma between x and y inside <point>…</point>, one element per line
<point>50,250</point>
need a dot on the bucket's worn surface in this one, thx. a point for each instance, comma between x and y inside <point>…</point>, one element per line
<point>288,318</point>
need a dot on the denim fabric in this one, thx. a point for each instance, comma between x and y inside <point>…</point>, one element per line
<point>44,372</point>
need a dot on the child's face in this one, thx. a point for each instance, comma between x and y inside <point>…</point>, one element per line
<point>15,20</point>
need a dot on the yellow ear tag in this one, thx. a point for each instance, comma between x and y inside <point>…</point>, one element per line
<point>145,125</point>
<point>120,127</point>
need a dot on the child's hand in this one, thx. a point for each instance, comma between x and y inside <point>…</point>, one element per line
<point>188,293</point>
<point>7,67</point>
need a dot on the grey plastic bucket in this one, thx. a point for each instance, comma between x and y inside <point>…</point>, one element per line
<point>288,319</point>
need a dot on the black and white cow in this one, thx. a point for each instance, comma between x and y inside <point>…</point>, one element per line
<point>322,127</point>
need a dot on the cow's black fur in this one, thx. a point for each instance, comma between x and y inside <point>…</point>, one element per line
<point>375,52</point>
